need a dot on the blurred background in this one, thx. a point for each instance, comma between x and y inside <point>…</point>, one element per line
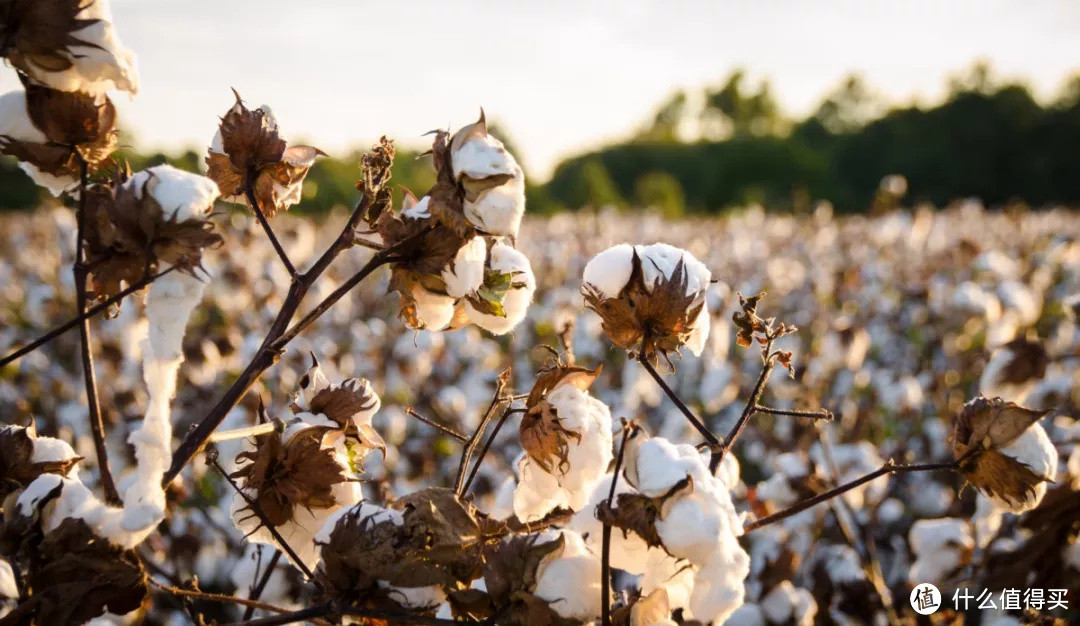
<point>686,107</point>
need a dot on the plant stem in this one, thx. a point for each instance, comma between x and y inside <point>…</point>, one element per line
<point>311,612</point>
<point>605,547</point>
<point>90,313</point>
<point>470,445</point>
<point>751,407</point>
<point>694,420</point>
<point>446,430</point>
<point>215,597</point>
<point>820,414</point>
<point>257,510</point>
<point>487,445</point>
<point>249,190</point>
<point>888,468</point>
<point>97,425</point>
<point>257,590</point>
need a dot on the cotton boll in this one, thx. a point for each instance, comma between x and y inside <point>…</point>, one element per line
<point>940,547</point>
<point>15,123</point>
<point>417,598</point>
<point>570,582</point>
<point>658,262</point>
<point>52,450</point>
<point>466,273</point>
<point>537,492</point>
<point>663,571</point>
<point>1034,449</point>
<point>182,195</point>
<point>499,210</point>
<point>507,260</point>
<point>433,311</point>
<point>610,270</point>
<point>99,60</point>
<point>482,156</point>
<point>658,465</point>
<point>718,586</point>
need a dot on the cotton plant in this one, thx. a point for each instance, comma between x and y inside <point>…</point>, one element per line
<point>567,437</point>
<point>454,268</point>
<point>296,477</point>
<point>941,547</point>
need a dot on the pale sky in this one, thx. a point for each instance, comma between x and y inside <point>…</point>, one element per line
<point>560,76</point>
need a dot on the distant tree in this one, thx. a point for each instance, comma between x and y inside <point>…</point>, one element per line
<point>744,113</point>
<point>660,191</point>
<point>666,122</point>
<point>848,107</point>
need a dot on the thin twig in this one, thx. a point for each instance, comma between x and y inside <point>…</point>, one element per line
<point>215,597</point>
<point>820,414</point>
<point>694,420</point>
<point>605,546</point>
<point>446,430</point>
<point>249,190</point>
<point>752,405</point>
<point>97,425</point>
<point>257,510</point>
<point>257,590</point>
<point>487,446</point>
<point>90,314</point>
<point>888,468</point>
<point>466,452</point>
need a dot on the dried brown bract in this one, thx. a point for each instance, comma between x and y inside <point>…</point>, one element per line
<point>249,153</point>
<point>76,126</point>
<point>542,435</point>
<point>17,466</point>
<point>76,576</point>
<point>638,513</point>
<point>41,32</point>
<point>284,475</point>
<point>129,235</point>
<point>982,429</point>
<point>510,576</point>
<point>431,538</point>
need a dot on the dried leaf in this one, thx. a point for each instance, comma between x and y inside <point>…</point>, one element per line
<point>544,438</point>
<point>997,474</point>
<point>992,423</point>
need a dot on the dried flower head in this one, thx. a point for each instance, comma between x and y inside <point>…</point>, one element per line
<point>542,435</point>
<point>50,132</point>
<point>68,45</point>
<point>649,298</point>
<point>479,185</point>
<point>1004,452</point>
<point>25,456</point>
<point>140,225</point>
<point>247,152</point>
<point>76,576</point>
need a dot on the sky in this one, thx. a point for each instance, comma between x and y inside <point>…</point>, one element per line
<point>560,76</point>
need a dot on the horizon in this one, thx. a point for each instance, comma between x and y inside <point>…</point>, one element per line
<point>635,55</point>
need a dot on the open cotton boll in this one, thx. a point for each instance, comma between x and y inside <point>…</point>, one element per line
<point>569,580</point>
<point>504,259</point>
<point>182,195</point>
<point>433,311</point>
<point>499,210</point>
<point>99,61</point>
<point>15,123</point>
<point>417,598</point>
<point>718,586</point>
<point>663,571</point>
<point>588,448</point>
<point>1034,449</point>
<point>657,465</point>
<point>53,450</point>
<point>609,271</point>
<point>658,262</point>
<point>481,156</point>
<point>940,547</point>
<point>466,273</point>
